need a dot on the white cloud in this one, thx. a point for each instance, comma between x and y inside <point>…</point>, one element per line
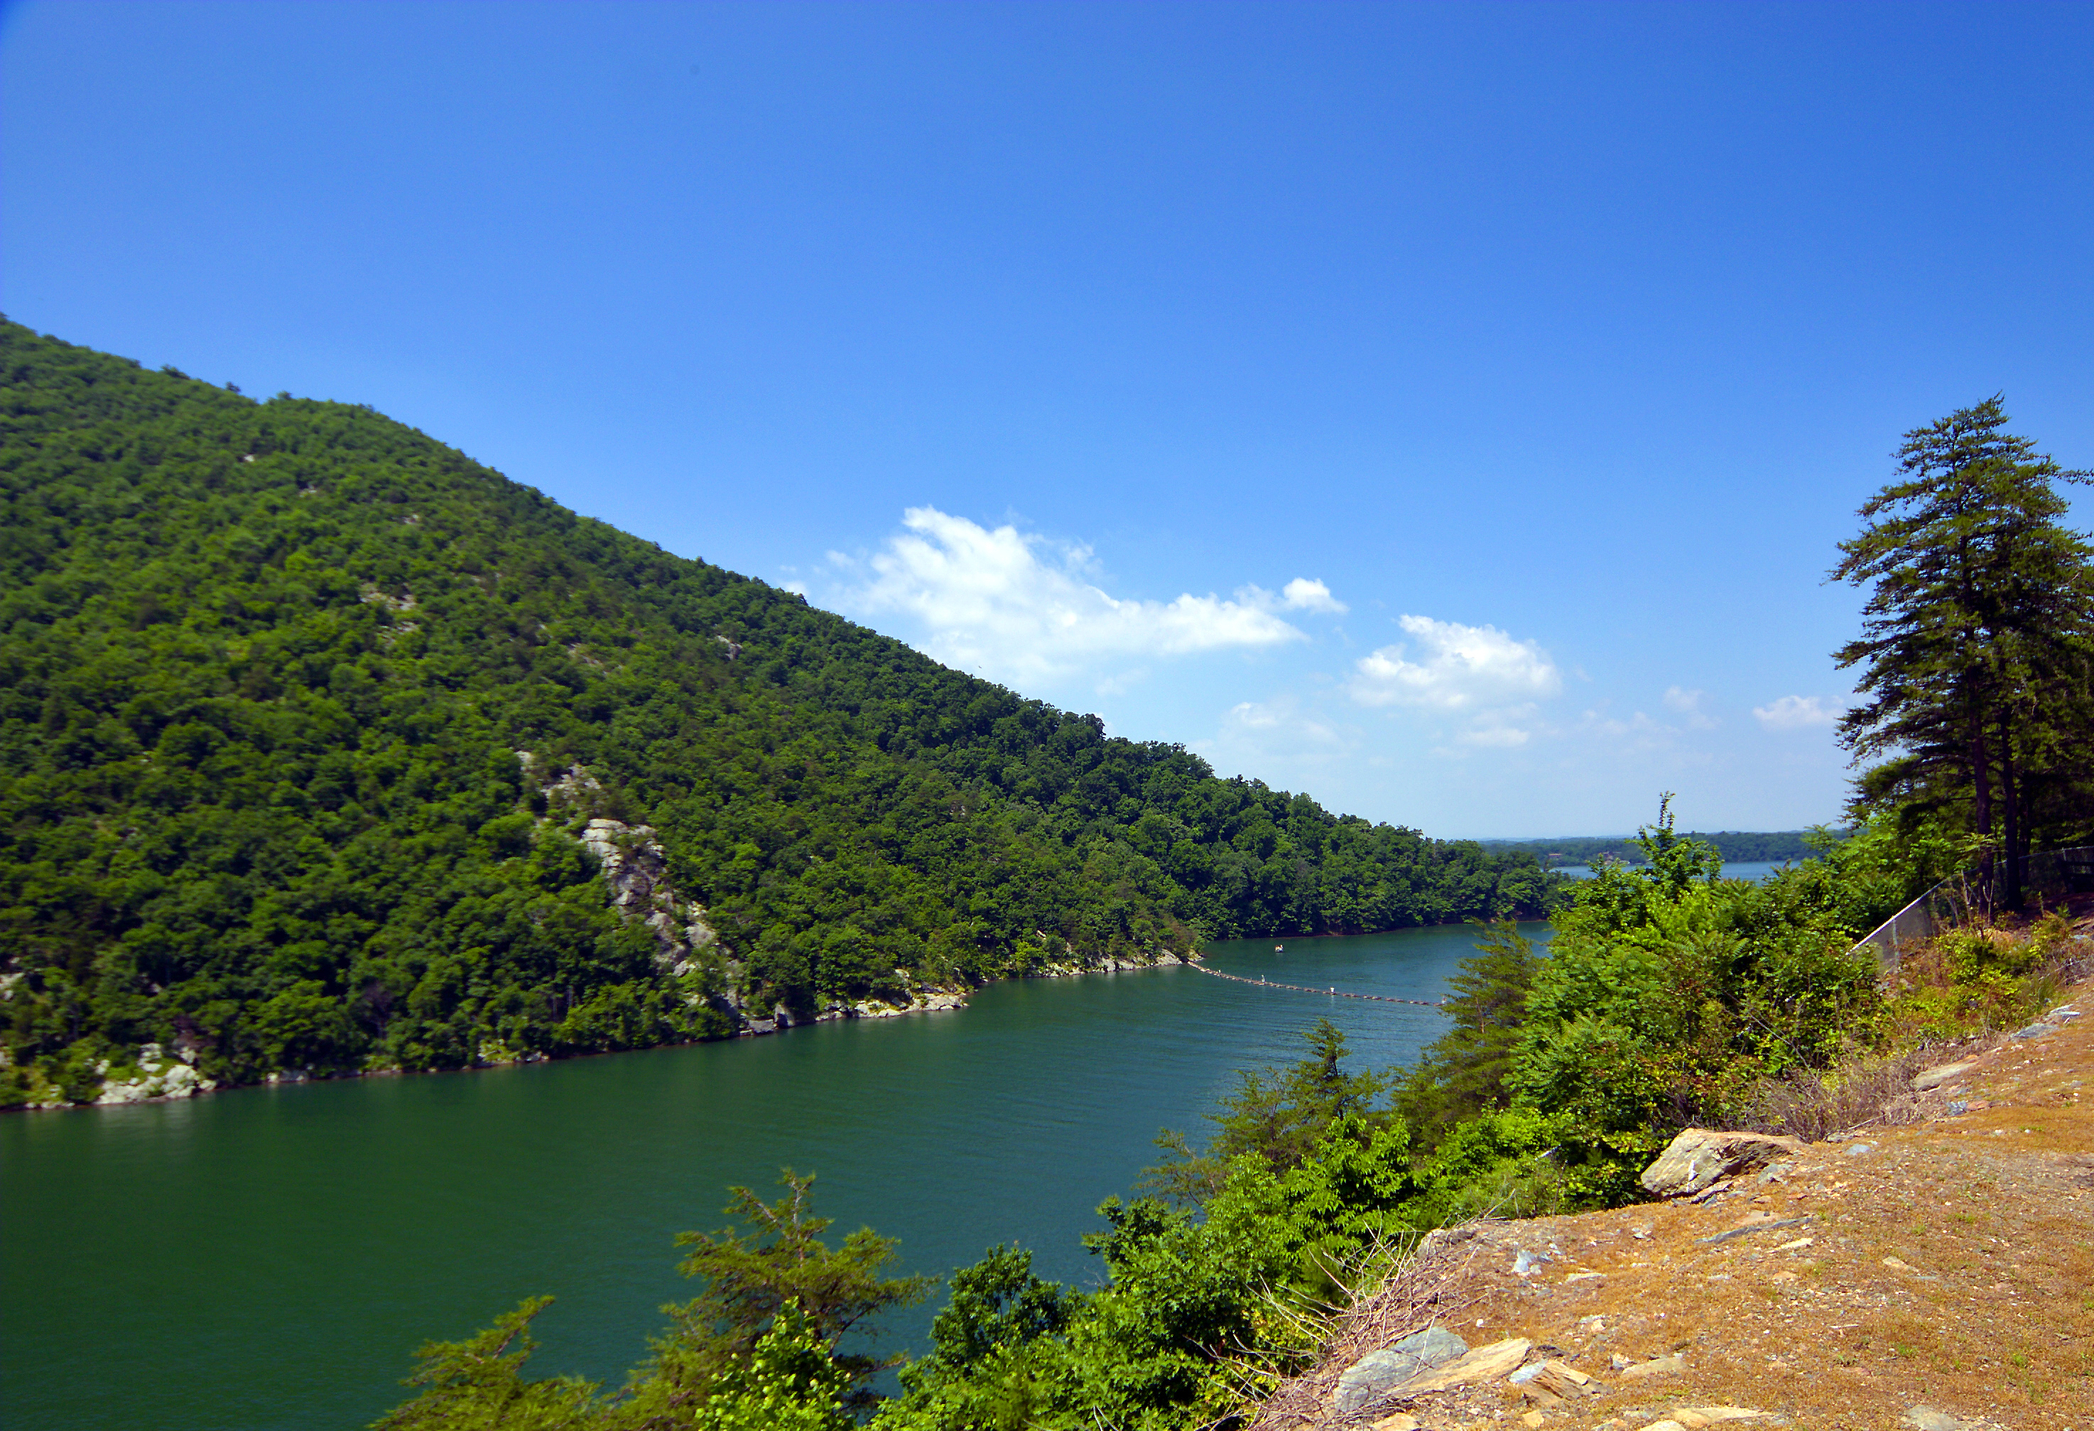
<point>1020,606</point>
<point>1283,713</point>
<point>1302,594</point>
<point>1458,668</point>
<point>1496,730</point>
<point>1278,734</point>
<point>1688,704</point>
<point>1798,713</point>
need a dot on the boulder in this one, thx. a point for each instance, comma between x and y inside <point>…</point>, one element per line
<point>1483,1364</point>
<point>1372,1377</point>
<point>1435,1346</point>
<point>1377,1373</point>
<point>1698,1157</point>
<point>1552,1382</point>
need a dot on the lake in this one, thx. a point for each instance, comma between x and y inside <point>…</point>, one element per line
<point>1758,871</point>
<point>268,1257</point>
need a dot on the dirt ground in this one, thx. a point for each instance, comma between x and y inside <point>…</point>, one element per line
<point>1947,1265</point>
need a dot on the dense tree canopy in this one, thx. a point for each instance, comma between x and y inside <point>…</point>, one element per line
<point>300,712</point>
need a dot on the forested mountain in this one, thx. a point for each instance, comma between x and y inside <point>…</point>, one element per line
<point>304,714</point>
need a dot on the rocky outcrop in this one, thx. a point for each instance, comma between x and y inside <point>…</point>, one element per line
<point>1110,964</point>
<point>638,875</point>
<point>636,872</point>
<point>159,1076</point>
<point>1698,1157</point>
<point>920,1001</point>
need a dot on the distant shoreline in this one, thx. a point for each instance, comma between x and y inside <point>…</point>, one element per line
<point>933,1000</point>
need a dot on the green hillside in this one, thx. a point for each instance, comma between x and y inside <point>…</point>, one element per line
<point>303,715</point>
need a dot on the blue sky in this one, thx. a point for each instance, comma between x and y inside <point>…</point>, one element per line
<point>1447,410</point>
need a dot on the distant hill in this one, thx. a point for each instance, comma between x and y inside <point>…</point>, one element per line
<point>324,747</point>
<point>1736,846</point>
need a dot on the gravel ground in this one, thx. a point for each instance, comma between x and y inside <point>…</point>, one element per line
<point>1938,1276</point>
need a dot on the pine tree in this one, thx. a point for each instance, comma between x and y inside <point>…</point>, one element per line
<point>1975,635</point>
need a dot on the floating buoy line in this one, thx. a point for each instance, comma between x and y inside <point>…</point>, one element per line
<point>1304,989</point>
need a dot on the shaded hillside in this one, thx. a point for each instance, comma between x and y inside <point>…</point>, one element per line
<point>303,714</point>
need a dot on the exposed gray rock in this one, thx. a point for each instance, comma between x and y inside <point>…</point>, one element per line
<point>2038,1030</point>
<point>1698,1157</point>
<point>1749,1228</point>
<point>1435,1346</point>
<point>638,875</point>
<point>1378,1373</point>
<point>1926,1418</point>
<point>1371,1377</point>
<point>159,1076</point>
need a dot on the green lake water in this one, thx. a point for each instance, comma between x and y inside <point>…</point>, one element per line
<point>267,1257</point>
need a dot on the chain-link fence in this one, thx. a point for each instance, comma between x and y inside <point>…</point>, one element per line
<point>2051,876</point>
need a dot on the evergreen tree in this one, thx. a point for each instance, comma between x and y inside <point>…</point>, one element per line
<point>1463,1073</point>
<point>1277,1113</point>
<point>1974,637</point>
<point>773,1260</point>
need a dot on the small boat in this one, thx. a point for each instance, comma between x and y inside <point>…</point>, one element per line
<point>1279,949</point>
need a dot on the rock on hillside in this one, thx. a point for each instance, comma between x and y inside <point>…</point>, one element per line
<point>1924,1278</point>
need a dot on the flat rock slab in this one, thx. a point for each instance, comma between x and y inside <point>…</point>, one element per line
<point>1657,1366</point>
<point>1552,1381</point>
<point>1946,1073</point>
<point>1699,1156</point>
<point>1483,1364</point>
<point>1763,1225</point>
<point>1375,1374</point>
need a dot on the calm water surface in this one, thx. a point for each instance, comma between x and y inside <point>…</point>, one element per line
<point>267,1257</point>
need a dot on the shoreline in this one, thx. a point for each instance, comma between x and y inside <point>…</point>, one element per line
<point>181,1083</point>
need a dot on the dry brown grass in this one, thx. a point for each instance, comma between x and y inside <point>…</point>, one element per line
<point>1870,1092</point>
<point>1986,1311</point>
<point>1435,1283</point>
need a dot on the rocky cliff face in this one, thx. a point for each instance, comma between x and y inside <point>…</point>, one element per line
<point>638,875</point>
